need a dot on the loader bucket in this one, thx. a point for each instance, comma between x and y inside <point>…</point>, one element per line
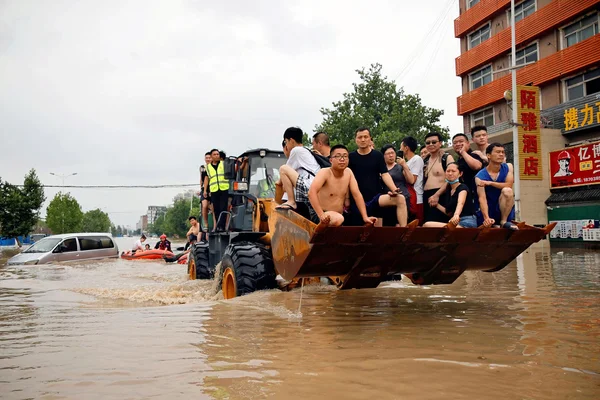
<point>364,256</point>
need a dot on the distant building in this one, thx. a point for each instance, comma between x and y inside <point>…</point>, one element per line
<point>154,212</point>
<point>142,224</point>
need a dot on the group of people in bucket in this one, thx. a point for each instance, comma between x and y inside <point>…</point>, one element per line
<point>332,186</point>
<point>391,188</point>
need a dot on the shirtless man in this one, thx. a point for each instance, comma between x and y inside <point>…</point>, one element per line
<point>330,188</point>
<point>194,229</point>
<point>434,176</point>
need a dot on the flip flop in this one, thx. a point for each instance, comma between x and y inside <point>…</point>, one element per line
<point>510,226</point>
<point>285,206</point>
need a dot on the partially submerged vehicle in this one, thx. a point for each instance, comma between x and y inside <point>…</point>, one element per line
<point>68,247</point>
<point>262,242</point>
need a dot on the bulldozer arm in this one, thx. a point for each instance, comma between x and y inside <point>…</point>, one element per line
<point>362,257</point>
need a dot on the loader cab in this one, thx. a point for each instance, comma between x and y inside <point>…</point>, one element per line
<point>252,177</point>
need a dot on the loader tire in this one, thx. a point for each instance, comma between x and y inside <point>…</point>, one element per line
<point>198,267</point>
<point>246,268</point>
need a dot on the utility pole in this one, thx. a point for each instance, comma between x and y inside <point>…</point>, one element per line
<point>515,126</point>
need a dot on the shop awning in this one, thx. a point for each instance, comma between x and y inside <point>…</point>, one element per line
<point>573,196</point>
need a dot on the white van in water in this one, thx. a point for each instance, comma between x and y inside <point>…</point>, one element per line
<point>68,247</point>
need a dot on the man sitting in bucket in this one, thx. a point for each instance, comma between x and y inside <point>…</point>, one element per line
<point>163,244</point>
<point>494,188</point>
<point>330,188</point>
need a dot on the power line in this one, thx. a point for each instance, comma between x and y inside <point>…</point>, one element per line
<point>179,185</point>
<point>425,41</point>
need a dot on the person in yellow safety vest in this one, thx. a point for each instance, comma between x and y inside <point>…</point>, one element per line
<point>219,188</point>
<point>266,186</point>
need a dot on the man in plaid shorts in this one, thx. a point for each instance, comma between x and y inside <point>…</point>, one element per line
<point>299,171</point>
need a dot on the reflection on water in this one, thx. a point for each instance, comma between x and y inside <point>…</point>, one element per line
<point>136,329</point>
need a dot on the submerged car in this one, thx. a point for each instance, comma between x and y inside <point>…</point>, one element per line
<point>68,247</point>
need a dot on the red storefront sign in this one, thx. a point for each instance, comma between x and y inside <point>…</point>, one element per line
<point>575,166</point>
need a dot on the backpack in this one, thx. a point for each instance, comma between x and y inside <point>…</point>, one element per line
<point>321,160</point>
<point>426,161</point>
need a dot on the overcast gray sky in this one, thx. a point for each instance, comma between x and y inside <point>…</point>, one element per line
<point>135,92</point>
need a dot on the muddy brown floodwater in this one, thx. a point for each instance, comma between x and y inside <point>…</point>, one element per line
<point>138,330</point>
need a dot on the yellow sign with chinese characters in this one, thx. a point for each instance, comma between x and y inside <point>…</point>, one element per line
<point>581,116</point>
<point>530,140</point>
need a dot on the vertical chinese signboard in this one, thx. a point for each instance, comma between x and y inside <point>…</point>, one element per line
<point>530,141</point>
<point>575,166</point>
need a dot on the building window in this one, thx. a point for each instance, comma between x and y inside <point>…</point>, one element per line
<point>581,30</point>
<point>583,85</point>
<point>483,117</point>
<point>526,55</point>
<point>480,35</point>
<point>509,152</point>
<point>471,3</point>
<point>522,10</point>
<point>481,77</point>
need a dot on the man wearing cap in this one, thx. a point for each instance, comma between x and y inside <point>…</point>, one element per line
<point>564,161</point>
<point>163,244</point>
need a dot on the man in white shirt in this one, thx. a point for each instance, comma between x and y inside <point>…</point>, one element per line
<point>299,171</point>
<point>415,164</point>
<point>138,244</point>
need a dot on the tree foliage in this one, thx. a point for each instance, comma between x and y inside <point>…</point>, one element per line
<point>95,221</point>
<point>64,214</point>
<point>20,206</point>
<point>378,104</point>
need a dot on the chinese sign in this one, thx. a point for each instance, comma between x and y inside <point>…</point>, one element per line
<point>575,166</point>
<point>587,229</point>
<point>530,142</point>
<point>581,116</point>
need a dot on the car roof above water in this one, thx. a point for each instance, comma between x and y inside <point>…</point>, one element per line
<point>68,235</point>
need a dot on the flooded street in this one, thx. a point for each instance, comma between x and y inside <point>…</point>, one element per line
<point>139,329</point>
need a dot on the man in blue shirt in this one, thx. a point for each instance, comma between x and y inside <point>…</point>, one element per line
<point>494,189</point>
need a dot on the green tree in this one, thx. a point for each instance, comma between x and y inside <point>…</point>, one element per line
<point>377,103</point>
<point>64,214</point>
<point>175,220</point>
<point>19,207</point>
<point>158,227</point>
<point>95,221</point>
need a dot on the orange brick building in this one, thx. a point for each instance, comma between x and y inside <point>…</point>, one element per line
<point>558,49</point>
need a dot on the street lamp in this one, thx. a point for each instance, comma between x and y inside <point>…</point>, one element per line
<point>63,176</point>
